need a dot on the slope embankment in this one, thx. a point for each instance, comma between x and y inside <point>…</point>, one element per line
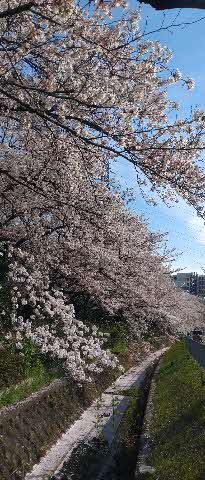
<point>175,444</point>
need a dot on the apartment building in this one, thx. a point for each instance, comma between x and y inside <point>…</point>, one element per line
<point>187,281</point>
<point>191,282</point>
<point>201,285</point>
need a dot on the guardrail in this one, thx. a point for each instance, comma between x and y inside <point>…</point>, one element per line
<point>197,350</point>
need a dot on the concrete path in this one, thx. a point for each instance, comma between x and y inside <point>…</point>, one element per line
<point>103,417</point>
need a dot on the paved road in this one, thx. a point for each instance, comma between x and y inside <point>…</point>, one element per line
<point>197,350</point>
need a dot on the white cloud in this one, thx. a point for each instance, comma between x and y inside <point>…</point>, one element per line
<point>198,228</point>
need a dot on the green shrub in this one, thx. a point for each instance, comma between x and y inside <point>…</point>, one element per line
<point>118,340</point>
<point>17,366</point>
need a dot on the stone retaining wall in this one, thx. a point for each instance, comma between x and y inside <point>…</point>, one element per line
<point>30,427</point>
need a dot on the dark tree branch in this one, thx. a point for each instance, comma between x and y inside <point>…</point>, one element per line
<point>10,12</point>
<point>169,4</point>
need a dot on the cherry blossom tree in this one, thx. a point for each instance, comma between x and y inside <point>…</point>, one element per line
<point>79,90</point>
<point>69,72</point>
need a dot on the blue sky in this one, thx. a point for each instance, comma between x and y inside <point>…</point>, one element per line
<point>186,232</point>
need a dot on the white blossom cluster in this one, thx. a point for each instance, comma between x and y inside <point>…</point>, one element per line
<point>63,337</point>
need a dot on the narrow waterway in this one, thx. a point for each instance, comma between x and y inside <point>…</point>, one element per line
<point>96,459</point>
<point>91,449</point>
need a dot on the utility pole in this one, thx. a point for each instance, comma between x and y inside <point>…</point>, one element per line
<point>106,178</point>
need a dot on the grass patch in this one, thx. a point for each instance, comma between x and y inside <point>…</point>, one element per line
<point>23,372</point>
<point>37,380</point>
<point>178,426</point>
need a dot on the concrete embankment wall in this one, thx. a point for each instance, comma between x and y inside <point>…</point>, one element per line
<point>30,427</point>
<point>95,445</point>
